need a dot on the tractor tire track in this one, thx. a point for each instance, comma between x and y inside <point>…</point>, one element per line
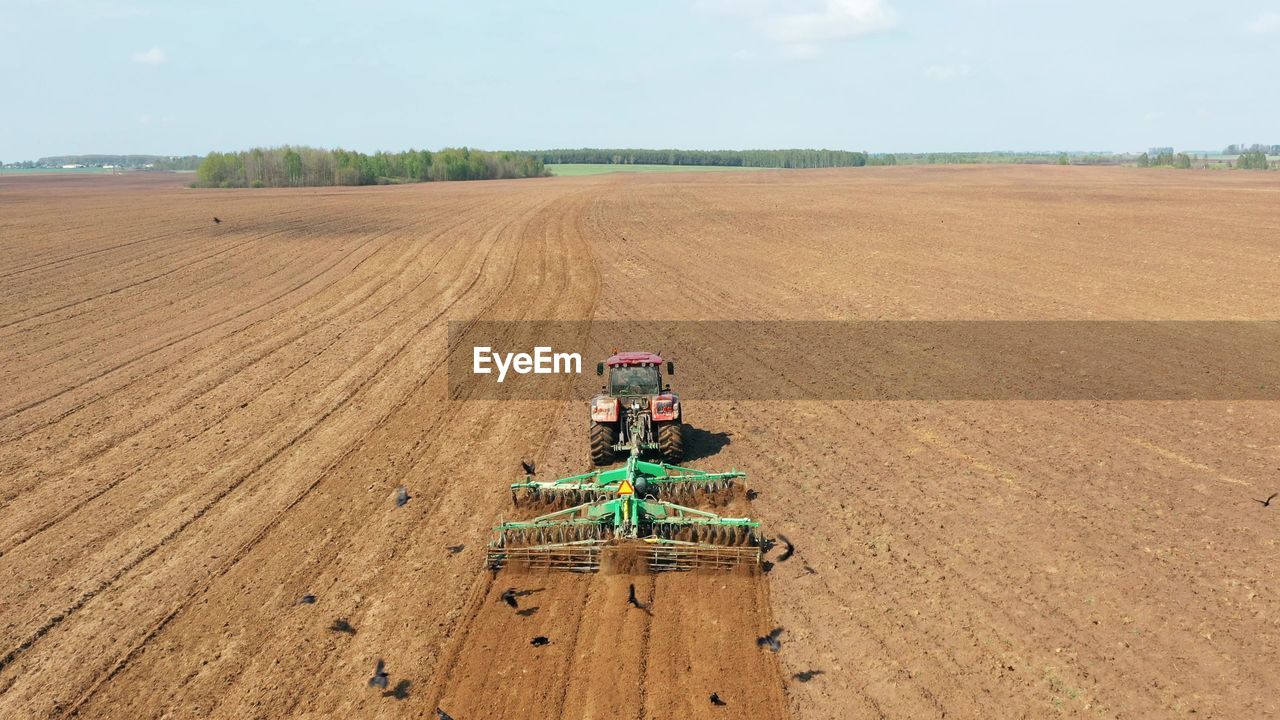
<point>510,276</point>
<point>236,483</point>
<point>219,419</point>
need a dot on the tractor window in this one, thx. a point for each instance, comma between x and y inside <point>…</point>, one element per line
<point>634,380</point>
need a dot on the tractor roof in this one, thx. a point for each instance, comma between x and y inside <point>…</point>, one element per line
<point>634,358</point>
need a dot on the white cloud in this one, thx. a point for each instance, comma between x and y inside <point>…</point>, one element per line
<point>801,27</point>
<point>1268,23</point>
<point>154,56</point>
<point>836,20</point>
<point>945,73</point>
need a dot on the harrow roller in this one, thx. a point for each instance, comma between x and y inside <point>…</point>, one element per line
<point>664,535</point>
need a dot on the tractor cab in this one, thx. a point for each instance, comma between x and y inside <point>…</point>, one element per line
<point>634,374</point>
<point>636,410</point>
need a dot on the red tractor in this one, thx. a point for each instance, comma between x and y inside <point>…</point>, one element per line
<point>636,409</point>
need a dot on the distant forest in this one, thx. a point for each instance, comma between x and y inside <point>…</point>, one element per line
<point>133,162</point>
<point>1254,148</point>
<point>305,166</point>
<point>1019,158</point>
<point>295,166</point>
<point>729,158</point>
<point>797,158</point>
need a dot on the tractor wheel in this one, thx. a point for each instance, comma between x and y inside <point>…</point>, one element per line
<point>603,437</point>
<point>671,442</point>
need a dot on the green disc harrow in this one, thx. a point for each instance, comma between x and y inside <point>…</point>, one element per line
<point>626,508</point>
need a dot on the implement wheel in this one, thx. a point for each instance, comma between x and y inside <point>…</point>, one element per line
<point>603,437</point>
<point>671,442</point>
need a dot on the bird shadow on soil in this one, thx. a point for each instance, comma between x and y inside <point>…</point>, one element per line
<point>527,611</point>
<point>400,691</point>
<point>701,443</point>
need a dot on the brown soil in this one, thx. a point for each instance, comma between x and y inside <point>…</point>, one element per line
<point>202,423</point>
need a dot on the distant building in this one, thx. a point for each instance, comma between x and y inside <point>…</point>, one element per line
<point>71,167</point>
<point>1160,151</point>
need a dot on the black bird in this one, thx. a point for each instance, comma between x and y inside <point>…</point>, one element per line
<point>539,641</point>
<point>791,549</point>
<point>341,625</point>
<point>442,715</point>
<point>528,467</point>
<point>402,496</point>
<point>308,600</point>
<point>455,549</point>
<point>509,597</point>
<point>752,494</point>
<point>380,675</point>
<point>771,640</point>
<point>216,221</point>
<point>807,675</point>
<point>715,700</point>
<point>631,597</point>
<point>1267,502</point>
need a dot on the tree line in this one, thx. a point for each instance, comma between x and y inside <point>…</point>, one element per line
<point>1246,160</point>
<point>1182,161</point>
<point>134,162</point>
<point>793,158</point>
<point>1254,148</point>
<point>295,166</point>
<point>1252,160</point>
<point>1001,157</point>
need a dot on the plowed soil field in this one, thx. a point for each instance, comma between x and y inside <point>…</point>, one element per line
<point>201,423</point>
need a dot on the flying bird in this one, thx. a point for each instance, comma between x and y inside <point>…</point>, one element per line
<point>528,467</point>
<point>308,599</point>
<point>771,640</point>
<point>791,549</point>
<point>631,597</point>
<point>509,597</point>
<point>455,549</point>
<point>442,715</point>
<point>1267,502</point>
<point>402,496</point>
<point>539,641</point>
<point>341,625</point>
<point>380,675</point>
<point>807,675</point>
<point>715,700</point>
<point>216,221</point>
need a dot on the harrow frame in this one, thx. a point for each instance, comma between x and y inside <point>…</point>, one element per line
<point>649,479</point>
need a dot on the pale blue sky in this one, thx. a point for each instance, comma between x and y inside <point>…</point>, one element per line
<point>179,77</point>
